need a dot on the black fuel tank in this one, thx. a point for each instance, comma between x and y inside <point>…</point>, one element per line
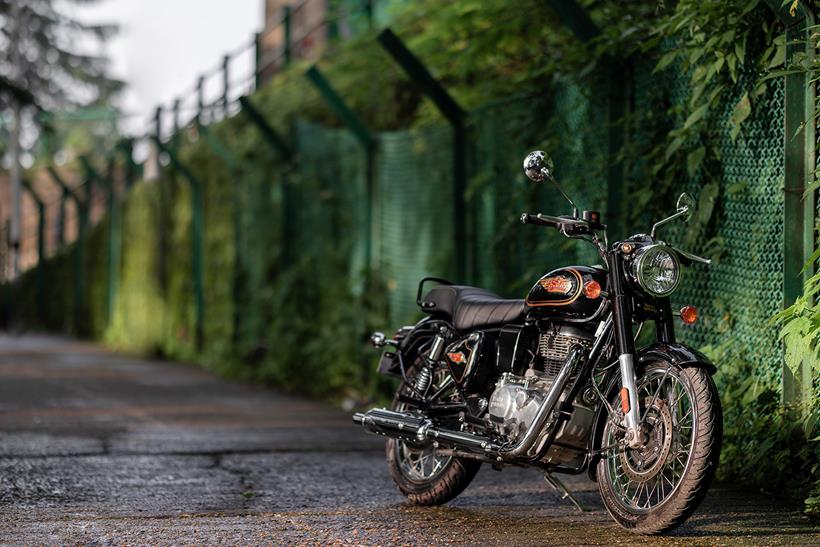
<point>561,294</point>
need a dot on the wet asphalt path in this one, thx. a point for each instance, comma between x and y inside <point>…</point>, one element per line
<point>99,448</point>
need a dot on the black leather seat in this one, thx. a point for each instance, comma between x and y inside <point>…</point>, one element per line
<point>470,307</point>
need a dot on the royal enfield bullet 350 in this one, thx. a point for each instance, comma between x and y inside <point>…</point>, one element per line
<point>555,381</point>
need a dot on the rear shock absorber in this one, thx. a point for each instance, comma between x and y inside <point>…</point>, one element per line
<point>425,376</point>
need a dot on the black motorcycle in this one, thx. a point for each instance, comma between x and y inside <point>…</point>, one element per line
<point>556,382</point>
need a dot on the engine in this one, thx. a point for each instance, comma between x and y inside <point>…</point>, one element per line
<point>516,399</point>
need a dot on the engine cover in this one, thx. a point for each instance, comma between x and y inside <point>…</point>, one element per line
<point>516,400</point>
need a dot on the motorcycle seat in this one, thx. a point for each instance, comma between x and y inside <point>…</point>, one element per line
<point>471,307</point>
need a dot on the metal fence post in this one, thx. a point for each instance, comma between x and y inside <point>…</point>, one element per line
<point>234,166</point>
<point>286,27</point>
<point>126,147</point>
<point>158,137</point>
<point>226,84</point>
<point>61,218</point>
<point>39,281</point>
<point>799,210</point>
<point>257,60</point>
<point>283,150</point>
<point>79,249</point>
<point>197,239</point>
<point>457,117</point>
<point>365,138</point>
<point>114,242</point>
<point>200,99</point>
<point>175,123</point>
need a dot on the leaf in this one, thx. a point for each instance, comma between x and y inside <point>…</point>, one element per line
<point>749,7</point>
<point>731,61</point>
<point>740,50</point>
<point>696,116</point>
<point>741,112</point>
<point>793,8</point>
<point>736,188</point>
<point>779,56</point>
<point>665,61</point>
<point>694,159</point>
<point>673,147</point>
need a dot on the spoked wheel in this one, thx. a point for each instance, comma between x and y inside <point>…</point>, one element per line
<point>421,474</point>
<point>654,488</point>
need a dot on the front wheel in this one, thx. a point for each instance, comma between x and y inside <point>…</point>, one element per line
<point>655,488</point>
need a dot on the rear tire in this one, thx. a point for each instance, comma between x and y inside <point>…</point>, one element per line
<point>696,474</point>
<point>451,481</point>
<point>439,485</point>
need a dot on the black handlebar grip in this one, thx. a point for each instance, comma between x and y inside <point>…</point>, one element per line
<point>529,218</point>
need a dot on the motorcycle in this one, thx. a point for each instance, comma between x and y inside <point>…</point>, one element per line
<point>555,381</point>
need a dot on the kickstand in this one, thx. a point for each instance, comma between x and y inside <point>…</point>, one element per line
<point>559,487</point>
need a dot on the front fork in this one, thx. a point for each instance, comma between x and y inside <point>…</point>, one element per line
<point>625,344</point>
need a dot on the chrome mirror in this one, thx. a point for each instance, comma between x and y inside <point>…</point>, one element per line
<point>686,206</point>
<point>538,166</point>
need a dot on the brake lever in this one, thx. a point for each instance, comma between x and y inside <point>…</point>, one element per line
<point>691,257</point>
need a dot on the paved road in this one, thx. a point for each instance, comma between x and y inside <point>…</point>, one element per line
<point>106,449</point>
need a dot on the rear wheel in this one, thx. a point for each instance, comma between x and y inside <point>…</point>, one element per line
<point>424,476</point>
<point>655,488</point>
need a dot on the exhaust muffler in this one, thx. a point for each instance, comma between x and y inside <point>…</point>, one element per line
<point>409,427</point>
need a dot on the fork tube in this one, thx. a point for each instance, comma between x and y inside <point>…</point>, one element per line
<point>621,319</point>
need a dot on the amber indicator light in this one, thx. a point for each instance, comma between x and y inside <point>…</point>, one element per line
<point>592,289</point>
<point>689,314</point>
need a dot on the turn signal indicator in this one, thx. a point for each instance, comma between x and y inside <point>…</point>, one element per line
<point>592,289</point>
<point>689,314</point>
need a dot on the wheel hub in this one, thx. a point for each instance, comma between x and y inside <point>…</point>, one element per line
<point>642,464</point>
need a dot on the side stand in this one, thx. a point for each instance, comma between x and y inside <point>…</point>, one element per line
<point>559,487</point>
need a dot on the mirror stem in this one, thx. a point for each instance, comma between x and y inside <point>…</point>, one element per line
<point>667,219</point>
<point>566,197</point>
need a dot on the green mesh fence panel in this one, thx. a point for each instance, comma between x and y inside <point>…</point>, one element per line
<point>331,193</point>
<point>743,288</point>
<point>414,213</point>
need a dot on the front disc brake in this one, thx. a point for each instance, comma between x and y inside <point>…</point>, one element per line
<point>643,464</point>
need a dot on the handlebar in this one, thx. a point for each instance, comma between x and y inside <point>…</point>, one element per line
<point>569,226</point>
<point>543,220</point>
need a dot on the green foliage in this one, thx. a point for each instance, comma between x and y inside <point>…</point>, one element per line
<point>766,443</point>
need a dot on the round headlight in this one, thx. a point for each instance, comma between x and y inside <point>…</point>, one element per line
<point>656,269</point>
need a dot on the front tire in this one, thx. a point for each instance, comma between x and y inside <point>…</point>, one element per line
<point>424,477</point>
<point>656,488</point>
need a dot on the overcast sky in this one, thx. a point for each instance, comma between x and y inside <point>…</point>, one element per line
<point>164,45</point>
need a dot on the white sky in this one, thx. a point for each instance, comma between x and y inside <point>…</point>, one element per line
<point>164,45</point>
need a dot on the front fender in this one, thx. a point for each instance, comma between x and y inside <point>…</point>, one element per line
<point>677,354</point>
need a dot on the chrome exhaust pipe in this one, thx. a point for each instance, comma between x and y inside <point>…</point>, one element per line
<point>408,427</point>
<point>526,442</point>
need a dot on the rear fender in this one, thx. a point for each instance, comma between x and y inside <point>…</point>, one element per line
<point>409,347</point>
<point>677,354</point>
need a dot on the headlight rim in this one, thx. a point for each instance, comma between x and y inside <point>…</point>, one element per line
<point>638,264</point>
